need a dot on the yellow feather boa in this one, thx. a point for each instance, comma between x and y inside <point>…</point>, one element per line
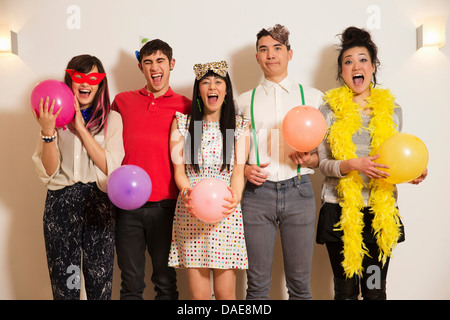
<point>386,222</point>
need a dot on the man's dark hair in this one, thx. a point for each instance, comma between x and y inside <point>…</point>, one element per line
<point>155,46</point>
<point>278,32</point>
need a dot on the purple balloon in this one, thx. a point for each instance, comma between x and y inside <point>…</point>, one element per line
<point>129,187</point>
<point>63,96</point>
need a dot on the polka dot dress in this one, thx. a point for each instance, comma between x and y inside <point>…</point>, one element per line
<point>196,244</point>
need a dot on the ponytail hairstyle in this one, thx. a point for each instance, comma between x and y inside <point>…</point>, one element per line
<point>355,37</point>
<point>101,104</point>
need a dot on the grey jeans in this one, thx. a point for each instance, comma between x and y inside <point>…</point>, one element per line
<point>290,206</point>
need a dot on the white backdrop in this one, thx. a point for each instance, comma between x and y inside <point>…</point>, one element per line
<point>50,32</point>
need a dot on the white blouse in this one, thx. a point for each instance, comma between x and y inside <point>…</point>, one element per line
<point>75,165</point>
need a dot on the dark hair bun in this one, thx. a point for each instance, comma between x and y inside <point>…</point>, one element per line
<point>355,35</point>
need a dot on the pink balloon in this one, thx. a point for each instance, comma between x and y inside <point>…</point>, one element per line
<point>63,96</point>
<point>129,187</point>
<point>304,128</point>
<point>207,199</point>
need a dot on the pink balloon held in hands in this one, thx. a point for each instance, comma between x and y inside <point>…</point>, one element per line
<point>207,199</point>
<point>63,96</point>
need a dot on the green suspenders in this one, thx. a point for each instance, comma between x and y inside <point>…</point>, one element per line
<point>254,130</point>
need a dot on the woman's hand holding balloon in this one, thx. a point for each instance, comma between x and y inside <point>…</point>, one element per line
<point>186,195</point>
<point>366,166</point>
<point>46,117</point>
<point>420,178</point>
<point>233,202</point>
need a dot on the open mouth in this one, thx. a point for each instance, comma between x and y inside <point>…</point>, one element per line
<point>358,79</point>
<point>212,98</point>
<point>84,93</point>
<point>157,78</point>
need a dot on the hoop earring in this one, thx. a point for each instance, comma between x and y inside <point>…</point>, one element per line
<point>199,106</point>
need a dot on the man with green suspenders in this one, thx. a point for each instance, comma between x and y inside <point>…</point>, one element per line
<point>278,193</point>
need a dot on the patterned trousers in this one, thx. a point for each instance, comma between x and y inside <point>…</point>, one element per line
<point>79,233</point>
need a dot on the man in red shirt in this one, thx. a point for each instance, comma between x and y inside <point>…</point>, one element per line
<point>147,116</point>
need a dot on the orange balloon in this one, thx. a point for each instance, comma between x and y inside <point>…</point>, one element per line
<point>406,155</point>
<point>304,128</point>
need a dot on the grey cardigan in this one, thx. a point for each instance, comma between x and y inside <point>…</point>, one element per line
<point>330,167</point>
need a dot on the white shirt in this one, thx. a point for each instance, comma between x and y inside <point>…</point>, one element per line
<point>271,103</point>
<point>75,165</point>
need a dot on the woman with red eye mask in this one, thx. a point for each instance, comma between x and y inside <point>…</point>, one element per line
<point>74,165</point>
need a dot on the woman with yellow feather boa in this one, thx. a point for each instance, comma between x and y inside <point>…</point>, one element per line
<point>359,220</point>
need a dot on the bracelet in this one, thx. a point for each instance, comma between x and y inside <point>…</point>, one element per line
<point>184,192</point>
<point>48,138</point>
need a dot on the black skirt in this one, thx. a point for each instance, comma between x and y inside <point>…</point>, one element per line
<point>330,214</point>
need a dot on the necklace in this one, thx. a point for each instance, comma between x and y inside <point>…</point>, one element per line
<point>366,111</point>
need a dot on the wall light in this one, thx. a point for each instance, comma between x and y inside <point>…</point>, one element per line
<point>8,40</point>
<point>431,32</point>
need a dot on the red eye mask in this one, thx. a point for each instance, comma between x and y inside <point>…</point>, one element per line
<point>93,78</point>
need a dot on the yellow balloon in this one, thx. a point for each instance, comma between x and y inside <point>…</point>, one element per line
<point>406,155</point>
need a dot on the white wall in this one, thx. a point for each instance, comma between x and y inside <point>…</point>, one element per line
<point>201,31</point>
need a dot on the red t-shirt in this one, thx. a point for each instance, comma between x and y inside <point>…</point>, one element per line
<point>146,135</point>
